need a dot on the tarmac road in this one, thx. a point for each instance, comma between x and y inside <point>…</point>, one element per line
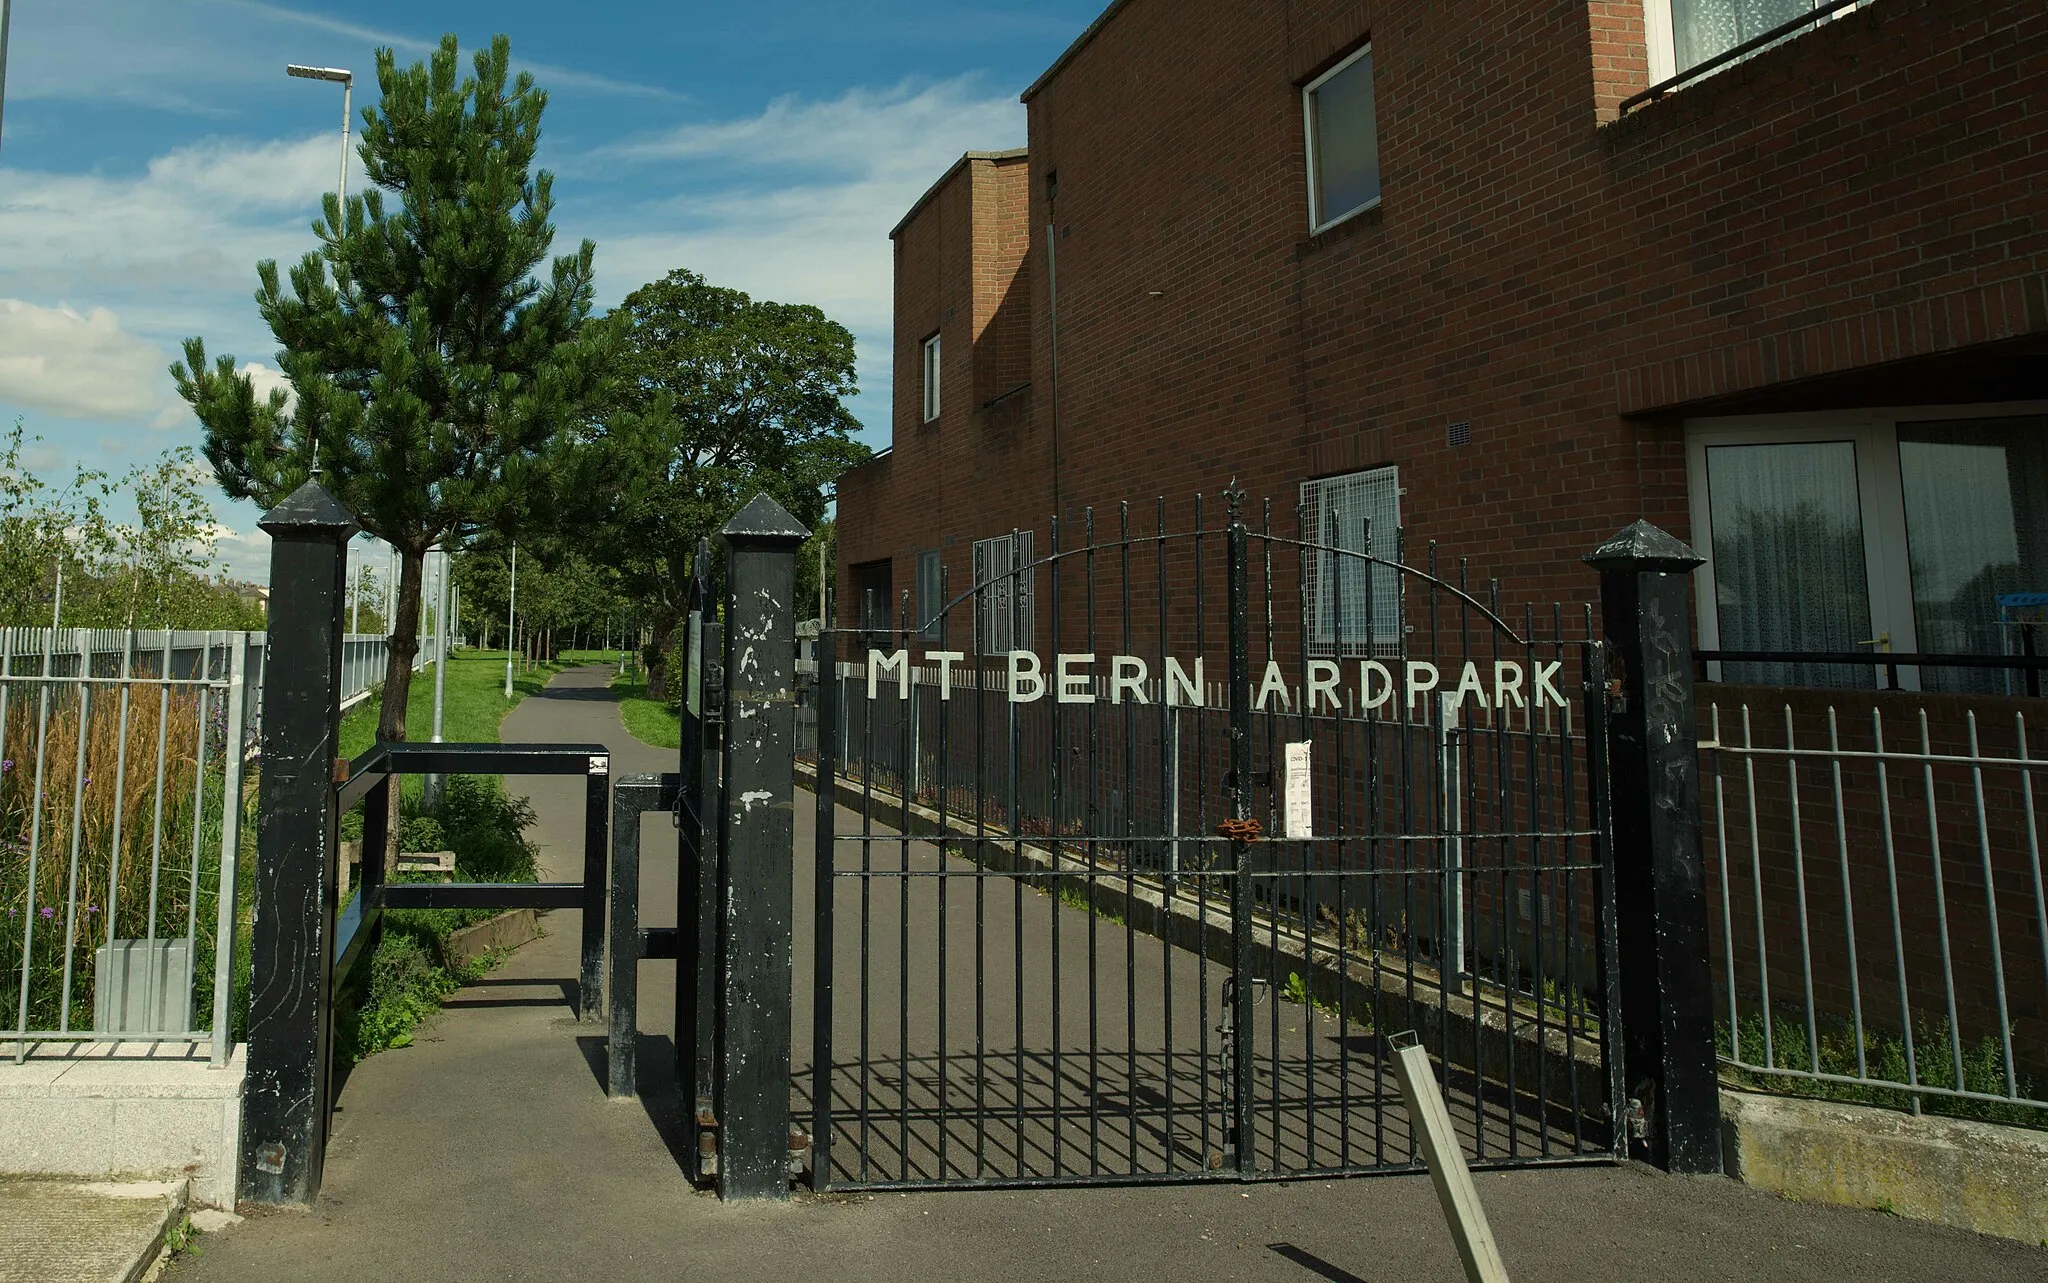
<point>488,1150</point>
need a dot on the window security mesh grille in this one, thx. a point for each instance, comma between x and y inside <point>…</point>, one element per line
<point>1004,598</point>
<point>1353,607</point>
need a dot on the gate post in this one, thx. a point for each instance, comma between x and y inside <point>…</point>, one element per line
<point>1666,980</point>
<point>1242,1078</point>
<point>756,856</point>
<point>284,1105</point>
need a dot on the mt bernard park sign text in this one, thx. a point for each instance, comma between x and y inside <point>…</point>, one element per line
<point>1072,679</point>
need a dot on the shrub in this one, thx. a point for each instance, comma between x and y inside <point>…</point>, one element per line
<point>421,833</point>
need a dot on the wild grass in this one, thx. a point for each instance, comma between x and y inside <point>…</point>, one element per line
<point>1884,1058</point>
<point>118,847</point>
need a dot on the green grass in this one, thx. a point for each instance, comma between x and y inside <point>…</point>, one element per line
<point>591,657</point>
<point>651,721</point>
<point>472,708</point>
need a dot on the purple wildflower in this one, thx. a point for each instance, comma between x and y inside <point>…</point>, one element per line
<point>6,765</point>
<point>49,912</point>
<point>92,908</point>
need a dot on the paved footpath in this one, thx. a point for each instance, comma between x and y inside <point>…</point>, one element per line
<point>488,1151</point>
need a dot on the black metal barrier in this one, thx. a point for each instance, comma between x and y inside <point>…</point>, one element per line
<point>369,781</point>
<point>632,797</point>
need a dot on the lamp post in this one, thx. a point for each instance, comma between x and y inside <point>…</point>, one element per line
<point>511,616</point>
<point>3,52</point>
<point>435,783</point>
<point>347,80</point>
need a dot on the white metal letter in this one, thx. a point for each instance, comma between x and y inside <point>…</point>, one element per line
<point>1127,673</point>
<point>1366,672</point>
<point>1075,688</point>
<point>1323,675</point>
<point>1544,672</point>
<point>878,663</point>
<point>945,659</point>
<point>1180,688</point>
<point>1469,681</point>
<point>1023,676</point>
<point>1507,683</point>
<point>1417,668</point>
<point>1269,684</point>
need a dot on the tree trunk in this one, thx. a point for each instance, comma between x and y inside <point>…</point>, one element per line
<point>658,675</point>
<point>404,643</point>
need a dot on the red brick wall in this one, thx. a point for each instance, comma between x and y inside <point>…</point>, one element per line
<point>1868,192</point>
<point>962,262</point>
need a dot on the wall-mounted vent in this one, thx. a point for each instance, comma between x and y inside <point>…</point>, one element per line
<point>1459,433</point>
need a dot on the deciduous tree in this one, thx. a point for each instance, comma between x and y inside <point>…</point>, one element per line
<point>718,396</point>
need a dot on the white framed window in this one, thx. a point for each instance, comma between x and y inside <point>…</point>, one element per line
<point>1342,133</point>
<point>1894,530</point>
<point>930,591</point>
<point>931,378</point>
<point>1682,34</point>
<point>1004,593</point>
<point>1353,605</point>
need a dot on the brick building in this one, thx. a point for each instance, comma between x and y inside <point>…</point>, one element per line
<point>1415,263</point>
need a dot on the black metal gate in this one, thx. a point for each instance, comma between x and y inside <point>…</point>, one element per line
<point>1144,903</point>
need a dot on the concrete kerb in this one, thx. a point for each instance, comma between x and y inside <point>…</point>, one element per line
<point>1974,1176</point>
<point>1443,1021</point>
<point>508,930</point>
<point>69,1231</point>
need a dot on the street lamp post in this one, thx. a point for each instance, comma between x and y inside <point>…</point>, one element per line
<point>347,80</point>
<point>511,616</point>
<point>435,783</point>
<point>3,52</point>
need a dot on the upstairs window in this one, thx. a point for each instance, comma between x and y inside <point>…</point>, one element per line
<point>1683,34</point>
<point>1343,141</point>
<point>1354,606</point>
<point>931,378</point>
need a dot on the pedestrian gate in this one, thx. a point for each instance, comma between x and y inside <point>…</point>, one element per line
<point>1143,903</point>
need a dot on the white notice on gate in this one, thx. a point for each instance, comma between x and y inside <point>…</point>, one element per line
<point>1295,796</point>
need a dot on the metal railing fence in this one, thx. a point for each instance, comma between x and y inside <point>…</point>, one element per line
<point>1879,917</point>
<point>121,770</point>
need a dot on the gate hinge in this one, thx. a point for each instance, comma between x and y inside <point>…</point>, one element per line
<point>1636,1116</point>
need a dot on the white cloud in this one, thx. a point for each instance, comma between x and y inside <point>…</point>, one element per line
<point>795,203</point>
<point>898,131</point>
<point>243,554</point>
<point>77,365</point>
<point>198,218</point>
<point>266,380</point>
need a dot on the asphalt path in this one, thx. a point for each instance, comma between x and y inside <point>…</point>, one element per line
<point>488,1150</point>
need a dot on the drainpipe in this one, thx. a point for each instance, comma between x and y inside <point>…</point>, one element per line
<point>1052,272</point>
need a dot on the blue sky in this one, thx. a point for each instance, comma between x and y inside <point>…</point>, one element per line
<point>154,150</point>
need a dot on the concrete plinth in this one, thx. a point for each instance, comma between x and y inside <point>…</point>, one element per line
<point>1975,1176</point>
<point>103,1110</point>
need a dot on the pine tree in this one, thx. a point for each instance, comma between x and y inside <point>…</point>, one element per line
<point>433,377</point>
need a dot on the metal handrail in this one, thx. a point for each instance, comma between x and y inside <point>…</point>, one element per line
<point>1729,55</point>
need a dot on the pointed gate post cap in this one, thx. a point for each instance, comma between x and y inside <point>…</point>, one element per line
<point>764,521</point>
<point>1642,547</point>
<point>308,512</point>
